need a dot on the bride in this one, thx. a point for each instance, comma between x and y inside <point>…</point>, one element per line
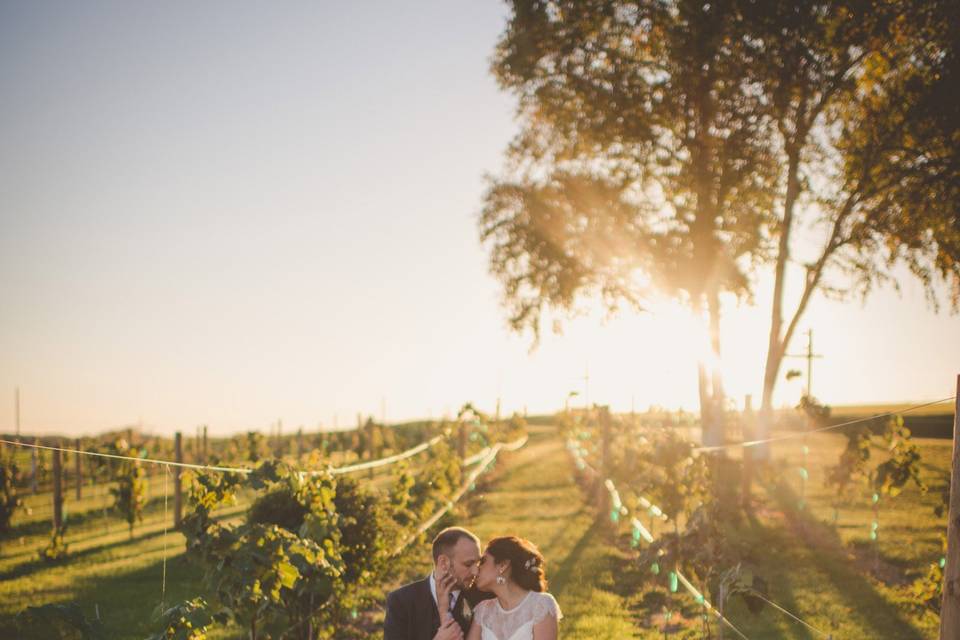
<point>512,569</point>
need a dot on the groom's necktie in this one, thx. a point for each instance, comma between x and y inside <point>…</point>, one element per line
<point>458,612</point>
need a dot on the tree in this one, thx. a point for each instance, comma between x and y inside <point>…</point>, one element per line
<point>863,95</point>
<point>678,146</point>
<point>642,163</point>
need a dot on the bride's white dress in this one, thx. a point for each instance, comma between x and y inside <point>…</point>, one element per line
<point>496,623</point>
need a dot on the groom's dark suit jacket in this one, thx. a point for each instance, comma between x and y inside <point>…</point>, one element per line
<point>412,613</point>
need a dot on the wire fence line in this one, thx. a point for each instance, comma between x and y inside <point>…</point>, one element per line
<point>225,469</point>
<point>647,536</point>
<point>642,532</point>
<point>373,464</point>
<point>622,510</point>
<point>467,484</point>
<point>39,506</point>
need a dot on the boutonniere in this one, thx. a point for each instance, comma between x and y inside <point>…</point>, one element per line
<point>467,611</point>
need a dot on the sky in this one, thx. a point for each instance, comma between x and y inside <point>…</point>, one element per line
<point>232,214</point>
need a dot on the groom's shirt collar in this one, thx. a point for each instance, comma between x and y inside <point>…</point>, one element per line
<point>433,590</point>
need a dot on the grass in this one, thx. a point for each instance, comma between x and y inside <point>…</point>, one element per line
<point>537,498</point>
<point>828,572</point>
<point>818,558</point>
<point>844,565</point>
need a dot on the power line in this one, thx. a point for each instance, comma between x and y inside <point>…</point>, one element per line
<point>114,456</point>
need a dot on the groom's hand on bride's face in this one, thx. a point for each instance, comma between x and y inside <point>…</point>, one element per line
<point>445,586</point>
<point>449,630</point>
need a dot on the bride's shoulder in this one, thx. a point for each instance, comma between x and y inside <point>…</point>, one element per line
<point>545,603</point>
<point>483,606</point>
<point>544,596</point>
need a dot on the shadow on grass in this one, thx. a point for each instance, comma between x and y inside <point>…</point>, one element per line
<point>827,555</point>
<point>129,601</point>
<point>764,548</point>
<point>561,578</point>
<point>36,564</point>
<point>31,566</point>
<point>76,518</point>
<point>507,470</point>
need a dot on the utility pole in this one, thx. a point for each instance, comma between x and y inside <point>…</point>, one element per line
<point>810,356</point>
<point>16,405</point>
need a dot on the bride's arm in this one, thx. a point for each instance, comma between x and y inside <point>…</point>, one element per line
<point>546,629</point>
<point>474,633</point>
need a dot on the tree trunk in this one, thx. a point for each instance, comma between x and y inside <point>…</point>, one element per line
<point>775,344</point>
<point>710,380</point>
<point>717,435</point>
<point>765,416</point>
<point>703,386</point>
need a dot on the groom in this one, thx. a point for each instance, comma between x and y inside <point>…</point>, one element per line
<point>413,610</point>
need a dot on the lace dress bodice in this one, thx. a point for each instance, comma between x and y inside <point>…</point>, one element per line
<point>496,623</point>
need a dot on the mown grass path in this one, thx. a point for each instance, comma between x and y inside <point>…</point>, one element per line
<point>534,496</point>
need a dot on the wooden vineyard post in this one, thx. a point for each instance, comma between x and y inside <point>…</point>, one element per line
<point>77,467</point>
<point>372,428</point>
<point>34,466</point>
<point>57,490</point>
<point>605,426</point>
<point>358,437</point>
<point>950,604</point>
<point>279,448</point>
<point>603,416</point>
<point>177,488</point>
<point>747,462</point>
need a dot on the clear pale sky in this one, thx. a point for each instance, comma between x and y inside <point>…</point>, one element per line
<point>233,213</point>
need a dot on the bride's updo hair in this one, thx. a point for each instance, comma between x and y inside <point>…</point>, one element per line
<point>526,561</point>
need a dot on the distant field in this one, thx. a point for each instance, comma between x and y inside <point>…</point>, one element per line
<point>858,410</point>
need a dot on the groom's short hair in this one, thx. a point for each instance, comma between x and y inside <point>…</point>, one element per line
<point>447,539</point>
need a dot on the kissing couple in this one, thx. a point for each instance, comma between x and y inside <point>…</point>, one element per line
<point>500,594</point>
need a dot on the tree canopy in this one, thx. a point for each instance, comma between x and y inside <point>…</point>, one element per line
<point>671,147</point>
